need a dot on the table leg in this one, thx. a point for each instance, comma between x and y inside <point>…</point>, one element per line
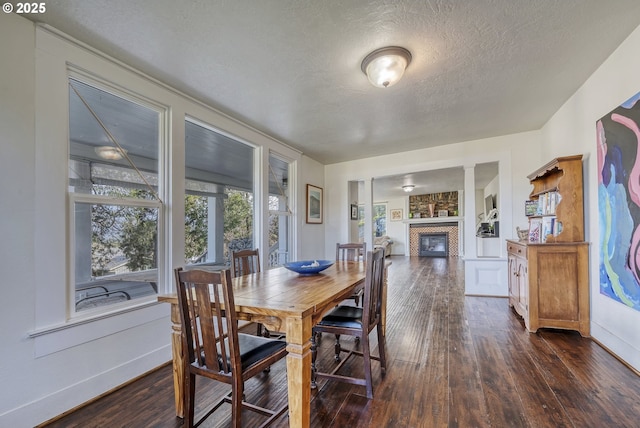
<point>299,371</point>
<point>178,358</point>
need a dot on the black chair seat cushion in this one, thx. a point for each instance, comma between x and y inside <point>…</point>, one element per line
<point>343,316</point>
<point>254,348</point>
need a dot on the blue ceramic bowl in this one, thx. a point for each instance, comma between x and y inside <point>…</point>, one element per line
<point>309,267</point>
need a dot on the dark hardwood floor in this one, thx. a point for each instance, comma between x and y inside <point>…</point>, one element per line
<point>453,361</point>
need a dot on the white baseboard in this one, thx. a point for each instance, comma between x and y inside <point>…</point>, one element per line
<point>622,350</point>
<point>52,405</point>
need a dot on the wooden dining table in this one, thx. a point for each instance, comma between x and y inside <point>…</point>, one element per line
<point>285,301</point>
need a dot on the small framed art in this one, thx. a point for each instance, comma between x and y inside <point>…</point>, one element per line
<point>314,204</point>
<point>395,214</point>
<point>354,211</point>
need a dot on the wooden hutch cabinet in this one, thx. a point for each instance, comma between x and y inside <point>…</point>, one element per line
<point>549,272</point>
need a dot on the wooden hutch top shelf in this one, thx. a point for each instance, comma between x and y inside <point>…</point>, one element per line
<point>561,180</point>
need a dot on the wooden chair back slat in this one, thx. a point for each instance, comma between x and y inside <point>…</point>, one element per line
<point>245,262</point>
<point>373,288</point>
<point>210,331</point>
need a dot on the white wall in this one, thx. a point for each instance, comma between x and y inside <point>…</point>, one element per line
<point>572,130</point>
<point>17,206</point>
<point>311,236</point>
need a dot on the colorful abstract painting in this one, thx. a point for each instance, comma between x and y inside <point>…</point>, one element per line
<point>618,139</point>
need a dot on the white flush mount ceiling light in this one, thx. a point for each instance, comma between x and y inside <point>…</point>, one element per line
<point>385,66</point>
<point>110,153</point>
<point>408,188</point>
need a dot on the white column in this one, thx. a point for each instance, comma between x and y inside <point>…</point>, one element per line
<point>368,213</point>
<point>469,212</point>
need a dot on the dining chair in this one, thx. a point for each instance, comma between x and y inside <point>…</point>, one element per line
<point>358,322</point>
<point>245,262</point>
<point>215,349</point>
<point>352,252</point>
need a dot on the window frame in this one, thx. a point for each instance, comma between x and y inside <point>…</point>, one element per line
<point>256,177</point>
<point>291,213</point>
<point>76,197</point>
<point>106,200</point>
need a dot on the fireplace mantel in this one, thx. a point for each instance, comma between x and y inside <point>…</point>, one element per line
<point>451,219</point>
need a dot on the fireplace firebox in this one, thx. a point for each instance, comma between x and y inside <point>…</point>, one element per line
<point>434,244</point>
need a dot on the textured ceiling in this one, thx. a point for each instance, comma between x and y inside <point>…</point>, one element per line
<point>291,68</point>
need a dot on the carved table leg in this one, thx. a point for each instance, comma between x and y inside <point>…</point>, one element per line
<point>178,359</point>
<point>299,371</point>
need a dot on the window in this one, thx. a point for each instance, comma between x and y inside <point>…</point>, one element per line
<point>379,220</point>
<point>219,202</point>
<point>114,146</point>
<point>280,213</point>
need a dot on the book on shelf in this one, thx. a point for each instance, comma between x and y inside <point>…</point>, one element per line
<point>535,230</point>
<point>547,227</point>
<point>547,203</point>
<point>530,208</point>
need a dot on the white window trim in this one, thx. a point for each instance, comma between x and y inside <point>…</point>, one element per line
<point>57,60</point>
<point>107,200</point>
<point>100,83</point>
<point>292,202</point>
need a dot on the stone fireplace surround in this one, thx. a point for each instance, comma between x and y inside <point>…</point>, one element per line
<point>416,229</point>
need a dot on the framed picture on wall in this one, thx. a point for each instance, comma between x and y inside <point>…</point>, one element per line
<point>314,204</point>
<point>354,211</point>
<point>395,214</point>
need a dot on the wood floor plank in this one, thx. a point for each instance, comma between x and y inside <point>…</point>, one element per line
<point>453,361</point>
<point>495,385</point>
<point>468,407</point>
<point>577,398</point>
<point>604,382</point>
<point>541,406</point>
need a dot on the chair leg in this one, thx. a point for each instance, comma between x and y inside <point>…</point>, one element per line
<point>366,356</point>
<point>314,355</point>
<point>237,395</point>
<point>259,331</point>
<point>382,345</point>
<point>189,395</point>
<point>337,348</point>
